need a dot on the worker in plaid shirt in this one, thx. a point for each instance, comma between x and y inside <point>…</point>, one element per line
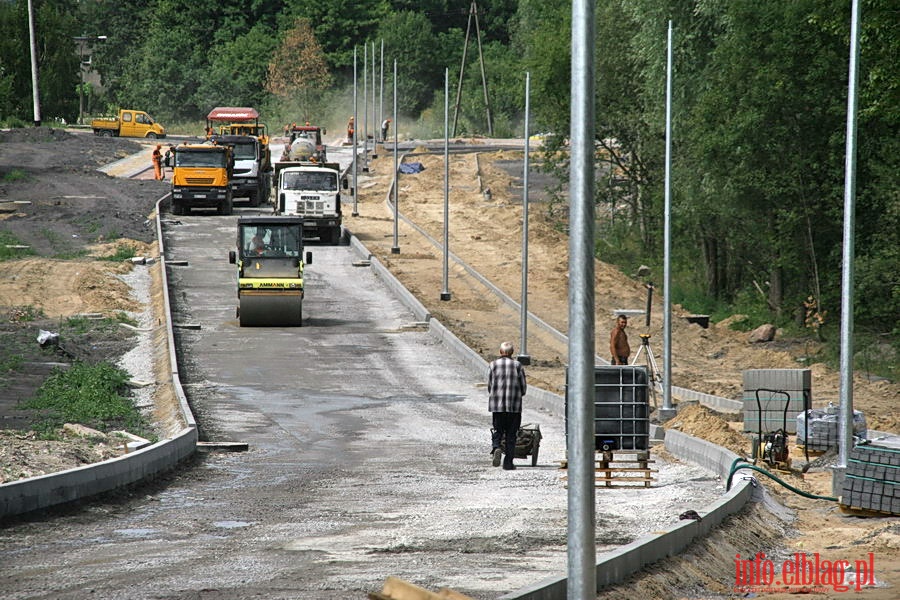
<point>506,386</point>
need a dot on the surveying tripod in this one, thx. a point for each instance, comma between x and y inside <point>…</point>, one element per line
<point>654,372</point>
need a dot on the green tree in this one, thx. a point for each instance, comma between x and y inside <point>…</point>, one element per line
<point>236,72</point>
<point>298,67</point>
<point>57,61</point>
<point>124,24</point>
<point>409,40</point>
<point>340,25</point>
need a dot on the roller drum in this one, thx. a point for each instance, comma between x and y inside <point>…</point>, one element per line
<point>271,309</point>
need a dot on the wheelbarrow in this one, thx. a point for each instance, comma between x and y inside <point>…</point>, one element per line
<point>528,442</point>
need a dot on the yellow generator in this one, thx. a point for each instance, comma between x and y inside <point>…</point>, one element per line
<point>270,264</point>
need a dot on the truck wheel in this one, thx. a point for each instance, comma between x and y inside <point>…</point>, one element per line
<point>151,136</point>
<point>177,208</point>
<point>254,198</point>
<point>336,236</point>
<point>226,207</point>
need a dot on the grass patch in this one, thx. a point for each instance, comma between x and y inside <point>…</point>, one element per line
<point>89,224</point>
<point>91,395</point>
<point>14,175</point>
<point>81,325</point>
<point>123,317</point>
<point>123,252</point>
<point>6,253</point>
<point>13,122</point>
<point>9,365</point>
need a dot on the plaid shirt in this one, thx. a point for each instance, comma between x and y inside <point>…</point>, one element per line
<point>506,385</point>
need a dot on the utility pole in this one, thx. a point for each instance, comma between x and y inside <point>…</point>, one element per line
<point>473,14</point>
<point>35,91</point>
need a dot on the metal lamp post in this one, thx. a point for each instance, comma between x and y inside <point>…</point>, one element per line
<point>82,41</point>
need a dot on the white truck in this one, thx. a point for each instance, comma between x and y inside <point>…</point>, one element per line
<point>312,191</point>
<point>252,178</point>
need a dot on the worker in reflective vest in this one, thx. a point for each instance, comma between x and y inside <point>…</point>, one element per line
<point>157,162</point>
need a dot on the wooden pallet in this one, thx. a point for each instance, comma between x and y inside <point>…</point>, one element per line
<point>609,476</point>
<point>858,511</point>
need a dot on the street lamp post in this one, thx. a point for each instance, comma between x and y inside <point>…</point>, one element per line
<point>83,41</point>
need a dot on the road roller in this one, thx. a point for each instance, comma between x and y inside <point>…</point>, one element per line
<point>270,263</point>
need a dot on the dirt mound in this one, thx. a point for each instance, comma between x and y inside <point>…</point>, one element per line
<point>23,455</point>
<point>701,422</point>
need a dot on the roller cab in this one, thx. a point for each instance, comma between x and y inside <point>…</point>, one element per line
<point>270,263</point>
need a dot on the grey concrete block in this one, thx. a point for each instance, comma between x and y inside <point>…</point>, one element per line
<point>778,379</point>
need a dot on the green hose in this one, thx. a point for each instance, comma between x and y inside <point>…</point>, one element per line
<point>736,467</point>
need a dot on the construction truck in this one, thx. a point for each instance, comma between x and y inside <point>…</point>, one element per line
<point>270,263</point>
<point>311,190</point>
<point>239,127</point>
<point>252,176</point>
<point>201,177</point>
<point>129,123</point>
<point>236,120</point>
<point>305,143</point>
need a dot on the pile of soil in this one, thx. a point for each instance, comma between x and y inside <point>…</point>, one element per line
<point>699,421</point>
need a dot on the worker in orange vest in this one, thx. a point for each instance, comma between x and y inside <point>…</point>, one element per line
<point>350,128</point>
<point>157,162</point>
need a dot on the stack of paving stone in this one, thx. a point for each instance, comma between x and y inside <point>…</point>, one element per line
<point>775,387</point>
<point>819,431</point>
<point>872,480</point>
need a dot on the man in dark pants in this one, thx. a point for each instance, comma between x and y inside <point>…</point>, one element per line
<point>506,386</point>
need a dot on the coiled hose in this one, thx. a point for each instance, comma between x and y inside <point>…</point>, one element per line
<point>736,467</point>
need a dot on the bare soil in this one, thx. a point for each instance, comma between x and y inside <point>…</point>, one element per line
<point>71,219</point>
<point>77,214</point>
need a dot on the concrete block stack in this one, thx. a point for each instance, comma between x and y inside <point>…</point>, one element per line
<point>818,431</point>
<point>790,386</point>
<point>872,480</point>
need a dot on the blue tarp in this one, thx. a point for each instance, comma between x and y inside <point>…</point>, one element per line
<point>411,168</point>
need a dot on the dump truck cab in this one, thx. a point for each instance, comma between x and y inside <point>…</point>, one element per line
<point>236,120</point>
<point>270,262</point>
<point>312,191</point>
<point>252,174</point>
<point>201,175</point>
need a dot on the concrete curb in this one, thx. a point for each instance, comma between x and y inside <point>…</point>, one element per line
<point>393,284</point>
<point>27,495</point>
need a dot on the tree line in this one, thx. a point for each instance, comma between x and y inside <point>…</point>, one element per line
<point>759,113</point>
